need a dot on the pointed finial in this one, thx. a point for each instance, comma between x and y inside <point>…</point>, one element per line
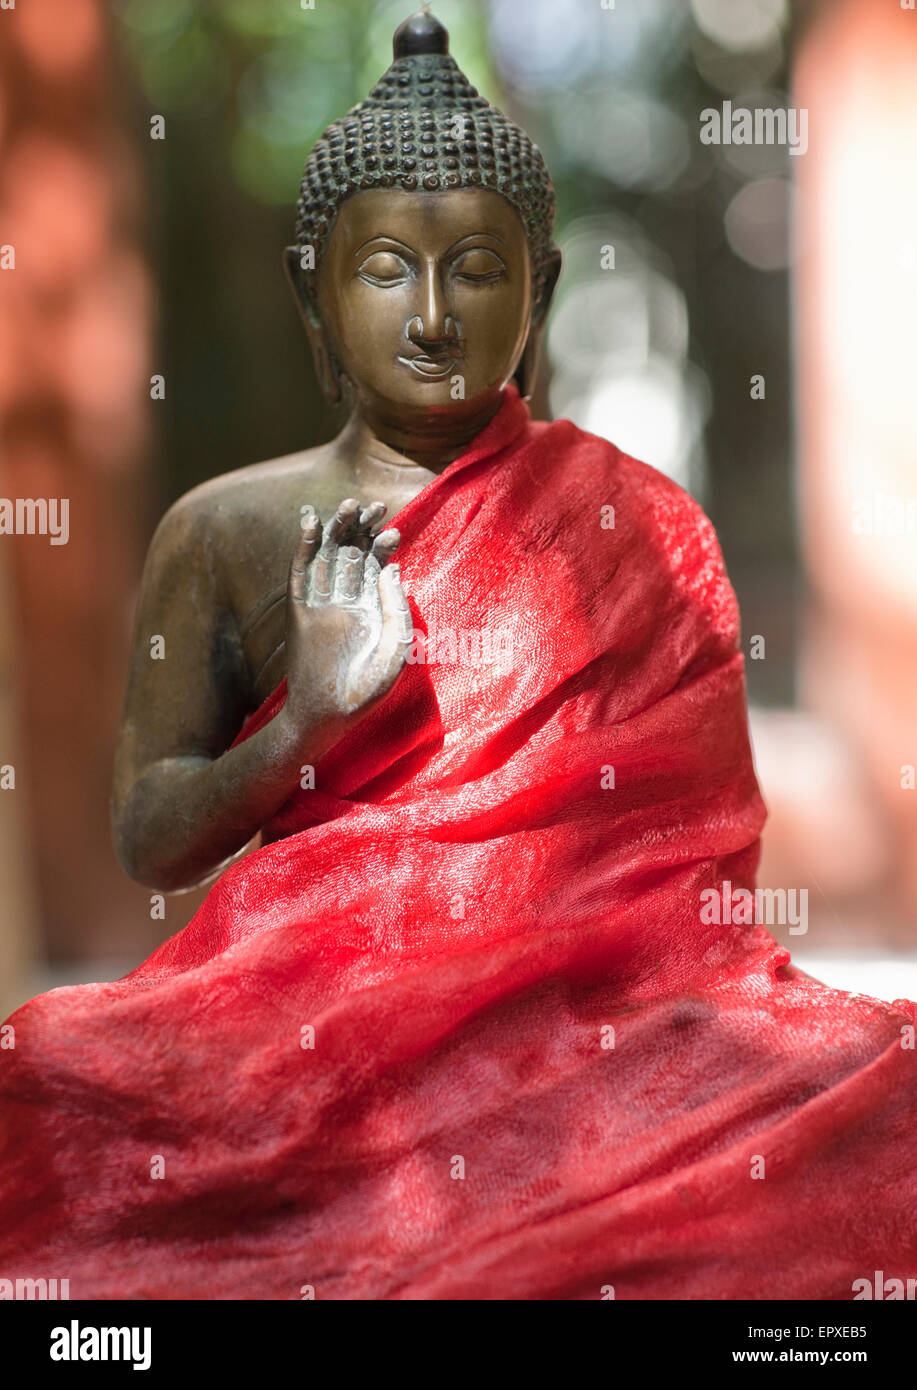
<point>421,33</point>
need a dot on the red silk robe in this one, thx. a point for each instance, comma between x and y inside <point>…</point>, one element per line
<point>460,1029</point>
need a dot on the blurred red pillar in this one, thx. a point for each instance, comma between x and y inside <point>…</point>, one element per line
<point>857,310</point>
<point>74,328</point>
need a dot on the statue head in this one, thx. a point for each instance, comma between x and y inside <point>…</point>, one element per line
<point>424,263</point>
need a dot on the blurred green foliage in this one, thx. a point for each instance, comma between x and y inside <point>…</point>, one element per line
<point>281,71</point>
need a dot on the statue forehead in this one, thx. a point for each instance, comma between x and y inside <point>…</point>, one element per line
<point>442,217</point>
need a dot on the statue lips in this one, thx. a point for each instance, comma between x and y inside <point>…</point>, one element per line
<point>431,365</point>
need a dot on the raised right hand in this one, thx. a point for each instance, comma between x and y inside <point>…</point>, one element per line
<point>348,624</point>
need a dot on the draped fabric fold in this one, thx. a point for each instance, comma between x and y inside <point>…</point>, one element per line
<point>462,1028</point>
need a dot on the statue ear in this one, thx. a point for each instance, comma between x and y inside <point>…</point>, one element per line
<point>526,372</point>
<point>326,368</point>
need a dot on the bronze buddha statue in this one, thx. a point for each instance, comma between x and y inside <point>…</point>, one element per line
<point>423,270</point>
<point>462,1027</point>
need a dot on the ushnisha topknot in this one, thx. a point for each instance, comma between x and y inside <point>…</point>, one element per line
<point>424,126</point>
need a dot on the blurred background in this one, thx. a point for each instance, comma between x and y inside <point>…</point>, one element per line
<point>752,333</point>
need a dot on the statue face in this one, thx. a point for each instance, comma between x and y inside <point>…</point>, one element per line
<point>416,290</point>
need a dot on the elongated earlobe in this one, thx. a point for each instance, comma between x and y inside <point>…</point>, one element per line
<point>326,367</point>
<point>527,371</point>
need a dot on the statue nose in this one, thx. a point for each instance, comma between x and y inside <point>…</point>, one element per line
<point>432,323</point>
<point>444,330</point>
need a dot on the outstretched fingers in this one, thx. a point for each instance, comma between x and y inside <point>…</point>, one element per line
<point>385,544</point>
<point>397,627</point>
<point>345,517</point>
<point>310,534</point>
<point>370,517</point>
<point>324,566</point>
<point>348,574</point>
<point>329,563</point>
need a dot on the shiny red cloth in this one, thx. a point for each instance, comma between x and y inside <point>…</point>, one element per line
<point>461,910</point>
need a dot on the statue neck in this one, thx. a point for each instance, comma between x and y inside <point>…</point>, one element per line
<point>429,442</point>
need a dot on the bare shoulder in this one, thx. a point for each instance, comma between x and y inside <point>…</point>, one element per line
<point>244,514</point>
<point>247,494</point>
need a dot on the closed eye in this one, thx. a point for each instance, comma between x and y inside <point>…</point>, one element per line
<point>384,268</point>
<point>478,265</point>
